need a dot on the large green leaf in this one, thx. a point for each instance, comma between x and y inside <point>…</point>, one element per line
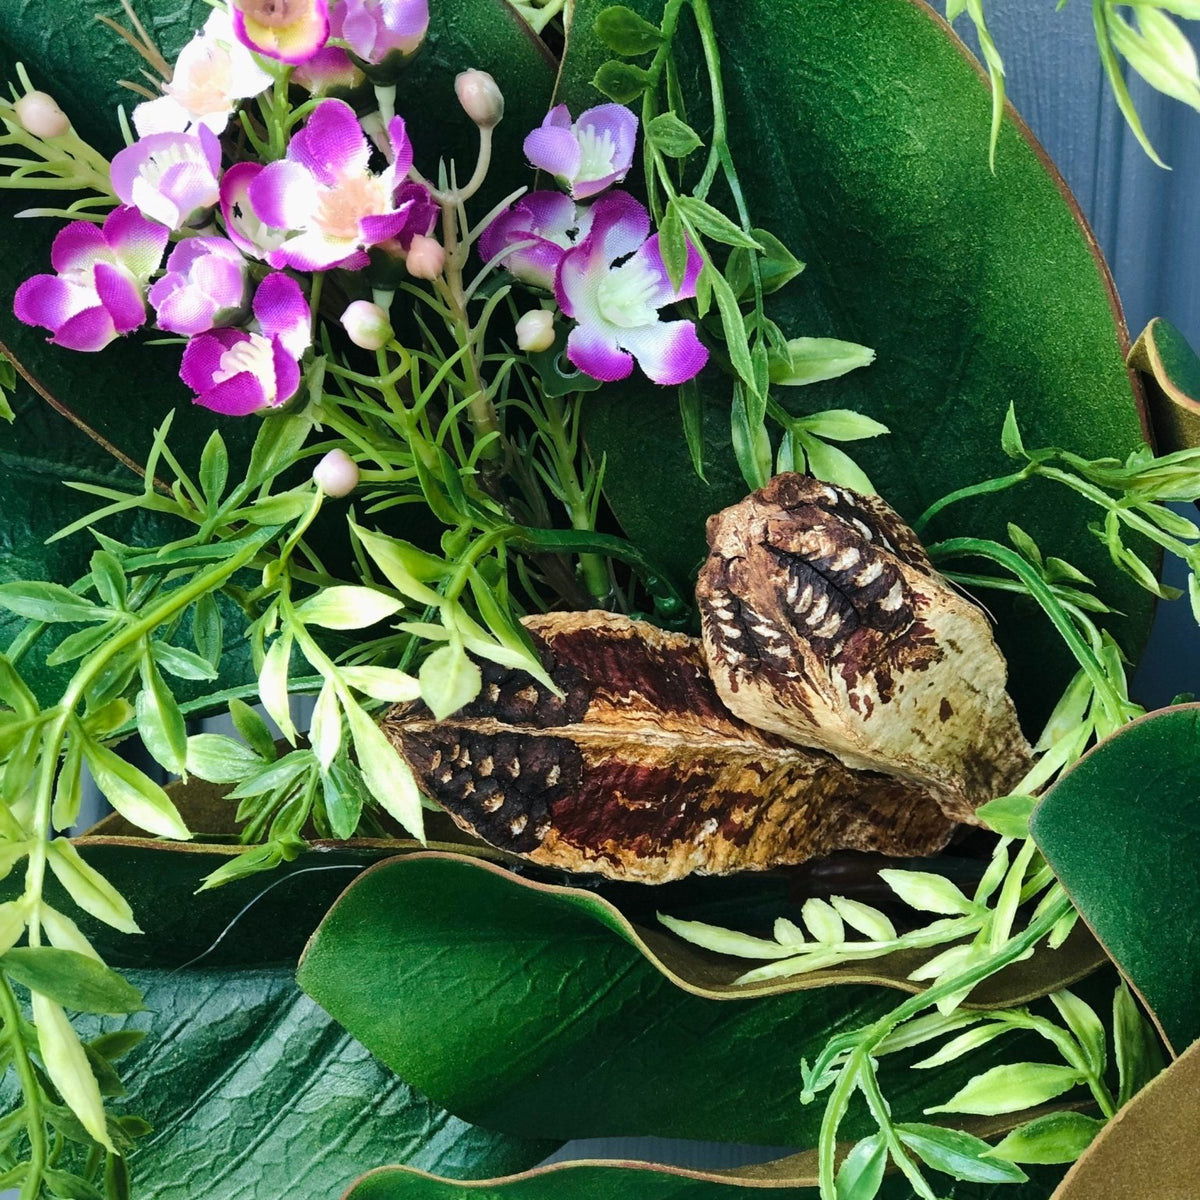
<point>860,130</point>
<point>534,1009</point>
<point>1120,831</point>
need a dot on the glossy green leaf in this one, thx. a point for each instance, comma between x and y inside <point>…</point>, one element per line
<point>71,979</point>
<point>860,132</point>
<point>957,1154</point>
<point>544,1009</point>
<point>1112,828</point>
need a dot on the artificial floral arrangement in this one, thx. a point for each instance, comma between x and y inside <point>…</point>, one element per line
<point>665,773</point>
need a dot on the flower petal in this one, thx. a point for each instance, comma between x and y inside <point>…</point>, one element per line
<point>121,297</point>
<point>594,352</point>
<point>287,372</point>
<point>402,148</point>
<point>620,224</point>
<point>282,195</point>
<point>331,144</point>
<point>78,247</point>
<point>162,115</point>
<point>238,396</point>
<point>137,242</point>
<point>191,187</point>
<point>312,251</point>
<point>283,313</point>
<point>294,43</point>
<point>202,357</point>
<point>50,301</point>
<point>185,309</point>
<point>651,255</point>
<point>89,330</point>
<point>553,149</point>
<point>668,351</point>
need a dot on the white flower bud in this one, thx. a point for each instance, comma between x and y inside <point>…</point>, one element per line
<point>481,98</point>
<point>535,330</point>
<point>336,474</point>
<point>426,257</point>
<point>367,325</point>
<point>40,115</point>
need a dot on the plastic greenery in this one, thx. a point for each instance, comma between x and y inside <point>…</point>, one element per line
<point>400,342</point>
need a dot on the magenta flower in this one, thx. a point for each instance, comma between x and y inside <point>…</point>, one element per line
<point>613,283</point>
<point>97,293</point>
<point>327,198</point>
<point>588,155</point>
<point>544,225</point>
<point>243,228</point>
<point>289,30</point>
<point>380,32</point>
<point>170,177</point>
<point>206,285</point>
<point>330,72</point>
<point>236,372</point>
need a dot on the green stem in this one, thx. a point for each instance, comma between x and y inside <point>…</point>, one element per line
<point>862,1043</point>
<point>976,489</point>
<point>35,1125</point>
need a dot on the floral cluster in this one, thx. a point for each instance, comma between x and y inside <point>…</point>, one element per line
<point>251,236</point>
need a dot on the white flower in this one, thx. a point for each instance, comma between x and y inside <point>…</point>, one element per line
<point>213,73</point>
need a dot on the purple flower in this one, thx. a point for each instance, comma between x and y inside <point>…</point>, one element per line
<point>170,177</point>
<point>242,226</point>
<point>380,32</point>
<point>236,372</point>
<point>613,283</point>
<point>97,293</point>
<point>545,225</point>
<point>326,197</point>
<point>330,72</point>
<point>206,285</point>
<point>587,156</point>
<point>289,30</point>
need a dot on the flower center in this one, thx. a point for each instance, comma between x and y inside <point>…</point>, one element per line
<point>274,14</point>
<point>625,295</point>
<point>596,153</point>
<point>255,355</point>
<point>340,209</point>
<point>156,165</point>
<point>207,86</point>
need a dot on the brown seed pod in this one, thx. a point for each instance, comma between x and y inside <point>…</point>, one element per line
<point>639,772</point>
<point>825,623</point>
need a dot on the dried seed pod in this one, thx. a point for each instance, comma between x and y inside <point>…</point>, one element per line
<point>639,772</point>
<point>824,622</point>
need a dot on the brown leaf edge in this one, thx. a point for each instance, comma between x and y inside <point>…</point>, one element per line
<point>1171,371</point>
<point>1149,1150</point>
<point>711,975</point>
<point>796,1171</point>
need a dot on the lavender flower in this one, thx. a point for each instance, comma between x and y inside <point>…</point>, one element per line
<point>324,194</point>
<point>213,72</point>
<point>289,30</point>
<point>380,33</point>
<point>243,228</point>
<point>588,155</point>
<point>206,285</point>
<point>613,283</point>
<point>170,177</point>
<point>236,372</point>
<point>544,225</point>
<point>97,293</point>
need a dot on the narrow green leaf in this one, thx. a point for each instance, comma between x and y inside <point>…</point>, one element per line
<point>73,980</point>
<point>835,466</point>
<point>777,265</point>
<point>109,578</point>
<point>673,245</point>
<point>861,1173</point>
<point>382,683</point>
<point>68,788</point>
<point>1010,436</point>
<point>963,1044</point>
<point>220,759</point>
<point>207,629</point>
<point>1135,1046</point>
<point>927,892</point>
<point>325,733</point>
<point>273,686</point>
<point>253,728</point>
<point>814,360</point>
<point>868,921</point>
<point>726,941</point>
<point>181,663</point>
<point>160,722</point>
<point>387,775</point>
<point>76,645</point>
<point>51,602</point>
<point>842,425</point>
<point>134,794</point>
<point>347,607</point>
<point>1010,1088</point>
<point>66,1063</point>
<point>823,922</point>
<point>1083,1022</point>
<point>88,888</point>
<point>958,1154</point>
<point>1008,815</point>
<point>1055,1138</point>
<point>624,31</point>
<point>711,222</point>
<point>214,468</point>
<point>449,679</point>
<point>344,794</point>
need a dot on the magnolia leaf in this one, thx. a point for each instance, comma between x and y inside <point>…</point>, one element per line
<point>1133,800</point>
<point>636,1006</point>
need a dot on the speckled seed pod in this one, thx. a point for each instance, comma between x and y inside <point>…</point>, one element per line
<point>639,772</point>
<point>825,623</point>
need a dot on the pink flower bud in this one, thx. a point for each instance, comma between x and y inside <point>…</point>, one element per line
<point>426,258</point>
<point>535,331</point>
<point>336,474</point>
<point>40,115</point>
<point>480,97</point>
<point>367,325</point>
